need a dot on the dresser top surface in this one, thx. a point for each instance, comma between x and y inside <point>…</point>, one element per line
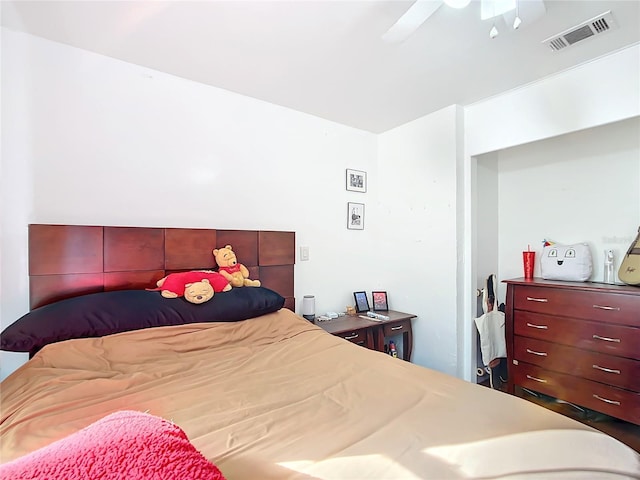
<point>587,286</point>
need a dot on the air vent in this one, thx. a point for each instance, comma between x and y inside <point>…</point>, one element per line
<point>596,26</point>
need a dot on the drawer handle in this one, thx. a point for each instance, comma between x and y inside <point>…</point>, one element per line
<point>360,343</point>
<point>604,369</point>
<point>540,354</point>
<point>605,307</point>
<point>532,299</point>
<point>351,337</point>
<point>606,339</point>
<point>397,328</point>
<point>612,402</point>
<point>536,379</point>
<point>542,327</point>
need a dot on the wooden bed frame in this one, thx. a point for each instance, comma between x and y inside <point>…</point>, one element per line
<point>71,260</point>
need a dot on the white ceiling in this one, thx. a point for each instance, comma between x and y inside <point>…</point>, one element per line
<point>326,57</point>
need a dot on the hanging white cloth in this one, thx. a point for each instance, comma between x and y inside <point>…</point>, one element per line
<point>491,329</point>
<point>491,325</point>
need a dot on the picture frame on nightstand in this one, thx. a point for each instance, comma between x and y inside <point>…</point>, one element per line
<point>362,302</point>
<point>380,302</point>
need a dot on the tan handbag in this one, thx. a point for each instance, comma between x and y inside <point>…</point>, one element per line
<point>629,271</point>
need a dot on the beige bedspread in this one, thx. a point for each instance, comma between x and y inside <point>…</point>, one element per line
<point>277,397</point>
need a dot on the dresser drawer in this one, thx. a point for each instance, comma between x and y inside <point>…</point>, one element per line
<point>585,304</point>
<point>617,371</point>
<point>358,337</point>
<point>613,401</point>
<point>619,340</point>
<point>396,328</point>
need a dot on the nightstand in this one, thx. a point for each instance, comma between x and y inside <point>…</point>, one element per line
<point>372,334</point>
<point>355,329</point>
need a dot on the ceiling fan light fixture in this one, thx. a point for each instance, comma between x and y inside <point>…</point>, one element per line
<point>516,23</point>
<point>457,3</point>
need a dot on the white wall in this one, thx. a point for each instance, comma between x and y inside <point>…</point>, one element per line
<point>16,204</point>
<point>487,206</point>
<point>417,230</point>
<point>116,144</point>
<point>91,140</point>
<point>595,94</point>
<point>580,187</point>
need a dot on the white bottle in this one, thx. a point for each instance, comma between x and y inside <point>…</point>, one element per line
<point>608,266</point>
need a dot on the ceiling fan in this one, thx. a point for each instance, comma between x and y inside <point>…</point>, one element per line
<point>421,10</point>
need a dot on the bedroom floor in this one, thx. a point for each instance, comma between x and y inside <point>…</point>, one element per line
<point>626,432</point>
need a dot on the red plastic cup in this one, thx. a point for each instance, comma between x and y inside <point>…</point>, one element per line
<point>528,260</point>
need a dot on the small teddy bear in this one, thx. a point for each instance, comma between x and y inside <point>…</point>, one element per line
<point>235,273</point>
<point>196,286</point>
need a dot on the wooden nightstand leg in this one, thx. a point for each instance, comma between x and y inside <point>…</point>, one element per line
<point>371,344</point>
<point>379,338</point>
<point>407,343</point>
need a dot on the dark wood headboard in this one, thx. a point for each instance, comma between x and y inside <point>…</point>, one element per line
<point>71,260</point>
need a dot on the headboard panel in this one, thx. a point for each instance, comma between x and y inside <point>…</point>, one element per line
<point>70,260</point>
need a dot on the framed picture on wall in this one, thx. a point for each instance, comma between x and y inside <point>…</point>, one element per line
<point>356,181</point>
<point>355,216</point>
<point>362,303</point>
<point>380,302</point>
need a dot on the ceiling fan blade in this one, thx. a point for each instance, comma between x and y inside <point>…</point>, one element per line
<point>408,23</point>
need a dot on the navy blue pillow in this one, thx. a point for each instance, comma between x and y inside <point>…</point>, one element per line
<point>105,313</point>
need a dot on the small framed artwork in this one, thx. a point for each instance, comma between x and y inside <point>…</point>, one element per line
<point>356,181</point>
<point>380,303</point>
<point>355,216</point>
<point>362,303</point>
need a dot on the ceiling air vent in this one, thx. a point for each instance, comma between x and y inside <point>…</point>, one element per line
<point>595,26</point>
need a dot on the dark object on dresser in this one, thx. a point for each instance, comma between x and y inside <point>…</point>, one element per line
<point>578,342</point>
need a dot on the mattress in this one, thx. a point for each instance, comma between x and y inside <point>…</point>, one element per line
<point>276,397</point>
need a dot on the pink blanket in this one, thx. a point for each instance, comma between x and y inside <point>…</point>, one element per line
<point>125,444</point>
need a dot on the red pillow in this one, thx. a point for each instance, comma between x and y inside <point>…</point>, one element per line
<point>125,444</point>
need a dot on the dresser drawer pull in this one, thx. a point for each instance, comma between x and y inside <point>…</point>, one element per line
<point>605,307</point>
<point>360,343</point>
<point>536,379</point>
<point>612,402</point>
<point>607,339</point>
<point>608,370</point>
<point>540,354</point>
<point>351,337</point>
<point>399,327</point>
<point>541,327</point>
<point>532,299</point>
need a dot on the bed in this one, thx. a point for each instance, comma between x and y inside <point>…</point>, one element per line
<point>273,396</point>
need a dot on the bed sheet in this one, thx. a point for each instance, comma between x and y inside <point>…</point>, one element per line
<point>276,397</point>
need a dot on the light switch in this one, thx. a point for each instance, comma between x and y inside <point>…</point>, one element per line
<point>304,254</point>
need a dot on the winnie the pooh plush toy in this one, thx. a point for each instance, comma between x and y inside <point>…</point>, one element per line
<point>235,273</point>
<point>196,286</point>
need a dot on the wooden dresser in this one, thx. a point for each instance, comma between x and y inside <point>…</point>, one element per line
<point>575,341</point>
